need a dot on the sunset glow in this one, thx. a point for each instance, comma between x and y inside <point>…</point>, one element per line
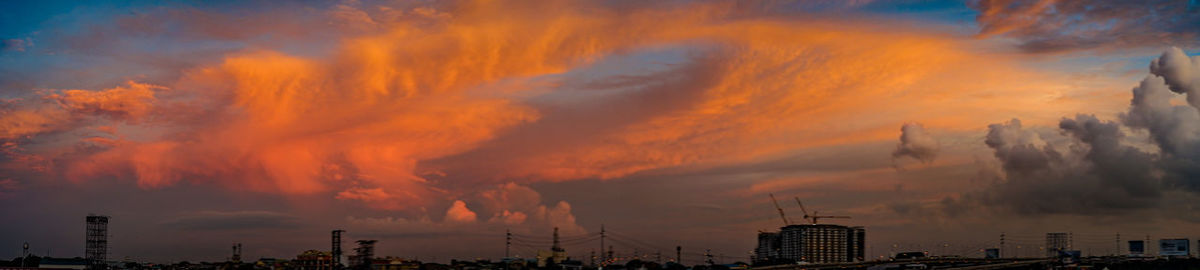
<point>437,126</point>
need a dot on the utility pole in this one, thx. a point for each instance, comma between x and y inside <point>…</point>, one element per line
<point>1118,250</point>
<point>602,243</point>
<point>507,242</point>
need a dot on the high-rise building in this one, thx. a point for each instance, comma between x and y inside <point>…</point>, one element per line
<point>336,249</point>
<point>768,247</point>
<point>822,243</point>
<point>1056,242</point>
<point>96,248</point>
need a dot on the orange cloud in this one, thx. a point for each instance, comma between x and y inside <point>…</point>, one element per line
<point>459,212</point>
<point>64,110</point>
<point>424,85</point>
<point>782,86</point>
<point>130,102</point>
<point>359,121</point>
<point>22,123</point>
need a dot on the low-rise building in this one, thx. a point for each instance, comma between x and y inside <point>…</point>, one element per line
<point>314,260</point>
<point>393,263</point>
<point>63,263</point>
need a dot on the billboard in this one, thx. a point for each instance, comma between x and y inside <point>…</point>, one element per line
<point>1173,247</point>
<point>1137,247</point>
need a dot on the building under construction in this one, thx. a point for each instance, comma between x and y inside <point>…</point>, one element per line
<point>812,242</point>
<point>364,253</point>
<point>96,248</point>
<point>822,243</point>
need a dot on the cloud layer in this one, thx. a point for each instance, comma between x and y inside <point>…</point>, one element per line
<point>423,102</point>
<point>423,120</point>
<point>1092,166</point>
<point>1052,26</point>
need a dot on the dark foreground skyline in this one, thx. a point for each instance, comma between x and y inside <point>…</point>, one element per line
<point>794,247</point>
<point>621,248</point>
<point>435,127</point>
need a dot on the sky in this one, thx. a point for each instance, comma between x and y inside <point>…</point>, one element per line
<point>437,126</point>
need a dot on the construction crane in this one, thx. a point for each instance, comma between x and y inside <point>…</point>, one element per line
<point>781,215</point>
<point>814,217</point>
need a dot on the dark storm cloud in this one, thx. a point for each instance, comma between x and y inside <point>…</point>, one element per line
<point>1050,26</point>
<point>1090,167</point>
<point>233,220</point>
<point>1089,173</point>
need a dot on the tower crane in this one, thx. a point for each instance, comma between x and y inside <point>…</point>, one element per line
<point>781,215</point>
<point>814,217</point>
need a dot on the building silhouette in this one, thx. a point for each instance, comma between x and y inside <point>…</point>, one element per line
<point>314,260</point>
<point>96,248</point>
<point>336,249</point>
<point>856,243</point>
<point>555,256</point>
<point>768,247</point>
<point>1057,242</point>
<point>364,254</point>
<point>814,243</point>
